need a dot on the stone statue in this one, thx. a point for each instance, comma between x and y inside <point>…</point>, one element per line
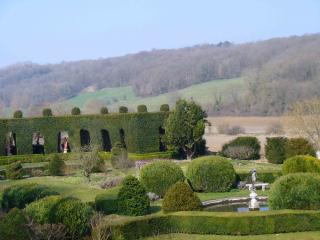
<point>253,204</point>
<point>253,178</point>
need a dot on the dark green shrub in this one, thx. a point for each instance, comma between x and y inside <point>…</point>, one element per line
<point>180,197</point>
<point>164,108</point>
<point>242,148</point>
<point>123,109</point>
<point>296,191</point>
<point>14,170</point>
<point>56,166</point>
<point>159,176</point>
<point>132,198</point>
<point>41,210</point>
<point>21,195</point>
<point>301,164</point>
<point>14,226</point>
<point>142,109</point>
<point>299,146</point>
<point>211,174</point>
<point>106,203</point>
<point>47,112</point>
<point>275,149</point>
<point>104,110</point>
<point>74,214</point>
<point>18,114</point>
<point>75,111</point>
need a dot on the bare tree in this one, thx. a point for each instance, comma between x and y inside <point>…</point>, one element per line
<point>305,120</point>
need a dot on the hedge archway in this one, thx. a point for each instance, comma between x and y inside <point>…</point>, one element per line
<point>84,138</point>
<point>106,142</point>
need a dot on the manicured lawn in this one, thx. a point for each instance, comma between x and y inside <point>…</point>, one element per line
<point>282,236</point>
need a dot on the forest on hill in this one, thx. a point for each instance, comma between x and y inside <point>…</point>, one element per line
<point>276,73</point>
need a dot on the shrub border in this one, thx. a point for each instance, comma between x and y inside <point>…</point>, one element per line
<point>251,223</point>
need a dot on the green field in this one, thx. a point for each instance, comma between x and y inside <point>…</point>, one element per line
<point>203,93</point>
<point>282,236</point>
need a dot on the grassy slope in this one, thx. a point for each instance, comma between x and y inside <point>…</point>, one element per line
<point>282,236</point>
<point>203,93</point>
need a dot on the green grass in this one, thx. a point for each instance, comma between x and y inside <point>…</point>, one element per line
<point>203,93</point>
<point>282,236</point>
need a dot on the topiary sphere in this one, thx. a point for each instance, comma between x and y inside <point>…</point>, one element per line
<point>164,108</point>
<point>159,176</point>
<point>211,174</point>
<point>18,114</point>
<point>75,111</point>
<point>123,109</point>
<point>301,164</point>
<point>132,198</point>
<point>180,197</point>
<point>41,210</point>
<point>47,112</point>
<point>74,214</point>
<point>14,226</point>
<point>104,110</point>
<point>142,109</point>
<point>296,191</point>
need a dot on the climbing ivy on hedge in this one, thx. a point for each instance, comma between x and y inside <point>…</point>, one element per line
<point>141,130</point>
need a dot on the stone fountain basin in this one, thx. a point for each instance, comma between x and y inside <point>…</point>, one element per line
<point>235,204</point>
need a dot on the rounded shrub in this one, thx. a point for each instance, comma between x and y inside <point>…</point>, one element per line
<point>180,197</point>
<point>75,111</point>
<point>14,226</point>
<point>211,174</point>
<point>142,109</point>
<point>299,146</point>
<point>56,166</point>
<point>41,210</point>
<point>106,203</point>
<point>123,109</point>
<point>275,149</point>
<point>296,191</point>
<point>242,148</point>
<point>159,176</point>
<point>132,198</point>
<point>301,163</point>
<point>104,110</point>
<point>21,195</point>
<point>14,170</point>
<point>74,214</point>
<point>18,114</point>
<point>164,108</point>
<point>47,112</point>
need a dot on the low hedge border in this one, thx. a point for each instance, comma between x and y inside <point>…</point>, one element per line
<point>263,176</point>
<point>251,223</point>
<point>37,158</point>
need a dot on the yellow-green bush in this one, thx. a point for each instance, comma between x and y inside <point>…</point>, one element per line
<point>159,176</point>
<point>301,164</point>
<point>211,174</point>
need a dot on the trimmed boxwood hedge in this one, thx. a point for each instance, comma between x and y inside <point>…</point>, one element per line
<point>141,130</point>
<point>251,223</point>
<point>275,149</point>
<point>248,148</point>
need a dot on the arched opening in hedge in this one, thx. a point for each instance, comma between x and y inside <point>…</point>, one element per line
<point>11,144</point>
<point>162,145</point>
<point>106,142</point>
<point>84,138</point>
<point>122,137</point>
<point>63,142</point>
<point>37,143</point>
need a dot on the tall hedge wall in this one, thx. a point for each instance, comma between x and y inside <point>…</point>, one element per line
<point>251,223</point>
<point>141,130</point>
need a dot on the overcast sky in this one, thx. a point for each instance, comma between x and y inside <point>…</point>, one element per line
<point>51,31</point>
